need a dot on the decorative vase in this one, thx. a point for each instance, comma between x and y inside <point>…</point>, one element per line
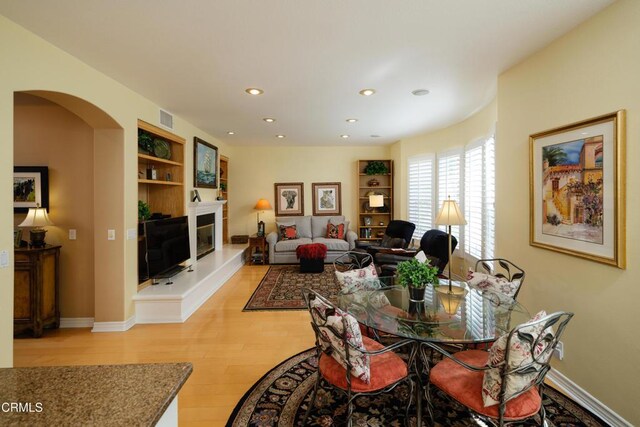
<point>373,183</point>
<point>416,294</point>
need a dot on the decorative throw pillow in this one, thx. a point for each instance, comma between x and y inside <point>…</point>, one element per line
<point>487,282</point>
<point>358,280</point>
<point>338,321</point>
<point>288,232</point>
<point>519,355</point>
<point>335,231</point>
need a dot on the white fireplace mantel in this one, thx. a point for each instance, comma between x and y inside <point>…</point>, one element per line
<point>203,208</point>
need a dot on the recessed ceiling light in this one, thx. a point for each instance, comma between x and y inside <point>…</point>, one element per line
<point>352,120</point>
<point>231,132</point>
<point>375,136</point>
<point>269,120</point>
<point>254,91</point>
<point>420,92</point>
<point>344,136</point>
<point>367,92</point>
<point>280,136</point>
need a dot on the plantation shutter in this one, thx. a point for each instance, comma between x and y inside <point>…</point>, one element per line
<point>479,192</point>
<point>420,197</point>
<point>449,184</point>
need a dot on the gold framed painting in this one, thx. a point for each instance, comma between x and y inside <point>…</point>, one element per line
<point>577,189</point>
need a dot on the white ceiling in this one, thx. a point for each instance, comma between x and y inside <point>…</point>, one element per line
<point>194,58</point>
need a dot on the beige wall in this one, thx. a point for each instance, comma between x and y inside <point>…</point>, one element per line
<point>46,134</point>
<point>30,63</point>
<point>480,125</point>
<point>254,170</point>
<point>591,71</point>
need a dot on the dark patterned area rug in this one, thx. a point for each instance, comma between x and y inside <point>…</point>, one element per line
<point>281,288</point>
<point>280,398</point>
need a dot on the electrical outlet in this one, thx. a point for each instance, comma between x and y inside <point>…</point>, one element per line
<point>72,234</point>
<point>111,234</point>
<point>559,350</point>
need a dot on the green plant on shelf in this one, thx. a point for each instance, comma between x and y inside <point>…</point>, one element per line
<point>223,186</point>
<point>145,141</point>
<point>144,211</point>
<point>376,167</point>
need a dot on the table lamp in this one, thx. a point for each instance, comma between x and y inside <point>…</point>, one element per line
<point>449,215</point>
<point>262,205</point>
<point>376,200</point>
<point>37,218</point>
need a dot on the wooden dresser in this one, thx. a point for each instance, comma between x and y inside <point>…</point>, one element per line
<point>36,289</point>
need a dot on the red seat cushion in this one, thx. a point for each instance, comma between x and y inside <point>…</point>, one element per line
<point>386,369</point>
<point>465,386</point>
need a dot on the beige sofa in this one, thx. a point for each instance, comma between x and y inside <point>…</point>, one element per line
<point>310,229</point>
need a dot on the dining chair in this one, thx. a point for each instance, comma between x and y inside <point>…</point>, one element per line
<point>497,275</point>
<point>504,384</point>
<point>351,363</point>
<point>352,260</point>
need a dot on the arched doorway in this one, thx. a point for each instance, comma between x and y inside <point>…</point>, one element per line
<point>83,147</point>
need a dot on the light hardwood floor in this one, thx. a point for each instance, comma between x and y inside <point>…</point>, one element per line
<point>230,349</point>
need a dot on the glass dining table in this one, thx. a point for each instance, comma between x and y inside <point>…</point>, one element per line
<point>480,317</point>
<point>477,317</point>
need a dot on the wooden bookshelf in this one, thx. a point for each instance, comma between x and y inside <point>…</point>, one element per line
<point>224,192</point>
<point>373,221</point>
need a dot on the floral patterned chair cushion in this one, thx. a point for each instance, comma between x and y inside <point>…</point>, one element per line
<point>358,280</point>
<point>519,355</point>
<point>487,282</point>
<point>333,323</point>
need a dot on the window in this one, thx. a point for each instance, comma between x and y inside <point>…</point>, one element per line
<point>468,177</point>
<point>479,199</point>
<point>420,197</point>
<point>449,183</point>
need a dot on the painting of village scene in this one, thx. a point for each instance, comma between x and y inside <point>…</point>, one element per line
<point>572,189</point>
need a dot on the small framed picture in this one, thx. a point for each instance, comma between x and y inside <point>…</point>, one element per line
<point>327,198</point>
<point>289,198</point>
<point>367,220</point>
<point>17,237</point>
<point>205,163</point>
<point>30,188</point>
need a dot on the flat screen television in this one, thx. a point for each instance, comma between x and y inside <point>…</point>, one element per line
<point>167,244</point>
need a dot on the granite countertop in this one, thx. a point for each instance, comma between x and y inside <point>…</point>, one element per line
<point>103,395</point>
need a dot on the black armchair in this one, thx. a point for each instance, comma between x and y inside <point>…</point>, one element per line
<point>398,234</point>
<point>434,244</point>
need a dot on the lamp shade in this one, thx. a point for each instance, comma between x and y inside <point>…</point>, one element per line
<point>262,205</point>
<point>450,214</point>
<point>376,200</point>
<point>36,217</point>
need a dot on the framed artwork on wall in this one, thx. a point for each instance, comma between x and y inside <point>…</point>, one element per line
<point>289,197</point>
<point>577,189</point>
<point>30,188</point>
<point>205,164</point>
<point>327,199</point>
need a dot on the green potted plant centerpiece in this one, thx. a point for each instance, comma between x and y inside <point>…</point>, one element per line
<point>416,276</point>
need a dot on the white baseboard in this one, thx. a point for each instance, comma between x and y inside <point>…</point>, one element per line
<point>582,397</point>
<point>114,326</point>
<point>76,322</point>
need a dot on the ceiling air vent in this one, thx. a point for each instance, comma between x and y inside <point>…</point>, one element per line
<point>166,119</point>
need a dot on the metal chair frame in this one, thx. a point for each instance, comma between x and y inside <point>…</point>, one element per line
<point>489,266</point>
<point>540,363</point>
<point>352,260</point>
<point>309,295</point>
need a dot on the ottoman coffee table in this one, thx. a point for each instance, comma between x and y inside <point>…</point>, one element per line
<point>312,257</point>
